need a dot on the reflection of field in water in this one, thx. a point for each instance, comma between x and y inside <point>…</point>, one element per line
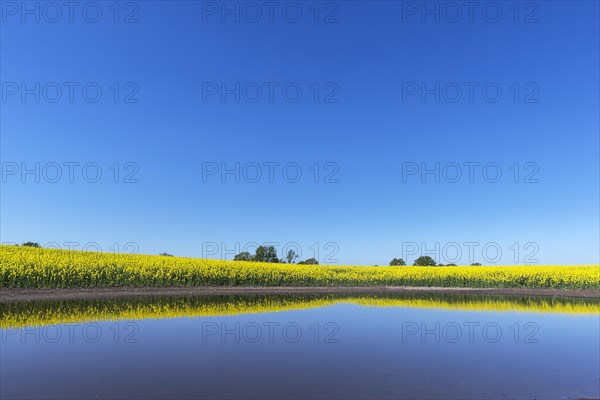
<point>41,313</point>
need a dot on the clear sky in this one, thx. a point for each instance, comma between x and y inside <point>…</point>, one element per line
<point>361,97</point>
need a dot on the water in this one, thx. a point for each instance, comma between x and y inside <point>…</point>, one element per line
<point>272,347</point>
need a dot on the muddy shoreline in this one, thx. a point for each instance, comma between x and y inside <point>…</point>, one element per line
<point>19,295</point>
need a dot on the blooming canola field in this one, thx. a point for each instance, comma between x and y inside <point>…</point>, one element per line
<point>24,267</point>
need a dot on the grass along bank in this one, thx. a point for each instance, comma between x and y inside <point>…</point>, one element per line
<point>30,267</point>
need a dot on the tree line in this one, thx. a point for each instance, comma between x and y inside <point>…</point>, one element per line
<point>423,261</point>
<point>269,254</point>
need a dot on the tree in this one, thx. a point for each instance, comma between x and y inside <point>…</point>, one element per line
<point>440,265</point>
<point>266,254</point>
<point>475,265</point>
<point>291,257</point>
<point>166,254</point>
<point>425,261</point>
<point>310,261</point>
<point>243,256</point>
<point>450,265</point>
<point>396,262</point>
<point>31,244</point>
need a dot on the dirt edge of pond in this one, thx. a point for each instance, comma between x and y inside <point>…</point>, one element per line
<point>9,295</point>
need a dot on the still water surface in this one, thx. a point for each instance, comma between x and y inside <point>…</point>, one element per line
<point>417,347</point>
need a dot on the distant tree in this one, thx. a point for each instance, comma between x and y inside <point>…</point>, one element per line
<point>243,256</point>
<point>166,254</point>
<point>310,261</point>
<point>291,257</point>
<point>440,265</point>
<point>266,254</point>
<point>31,244</point>
<point>449,265</point>
<point>475,265</point>
<point>424,261</point>
<point>396,262</point>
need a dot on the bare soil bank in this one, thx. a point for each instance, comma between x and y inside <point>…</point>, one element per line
<point>19,295</point>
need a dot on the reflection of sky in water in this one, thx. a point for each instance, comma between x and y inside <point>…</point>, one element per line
<point>371,358</point>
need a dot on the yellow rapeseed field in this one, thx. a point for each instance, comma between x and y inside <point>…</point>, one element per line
<point>25,267</point>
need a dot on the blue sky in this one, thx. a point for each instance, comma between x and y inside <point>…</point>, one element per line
<point>379,83</point>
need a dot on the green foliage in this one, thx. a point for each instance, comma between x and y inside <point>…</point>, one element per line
<point>475,265</point>
<point>424,261</point>
<point>166,254</point>
<point>291,257</point>
<point>243,256</point>
<point>448,265</point>
<point>31,244</point>
<point>397,262</point>
<point>310,261</point>
<point>266,254</point>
